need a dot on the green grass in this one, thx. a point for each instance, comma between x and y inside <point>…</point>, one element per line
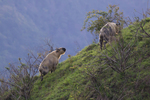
<point>71,80</point>
<point>66,81</point>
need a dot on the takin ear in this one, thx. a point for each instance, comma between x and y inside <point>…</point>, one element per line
<point>57,50</point>
<point>117,24</point>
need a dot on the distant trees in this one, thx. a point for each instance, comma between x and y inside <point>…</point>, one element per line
<point>22,75</point>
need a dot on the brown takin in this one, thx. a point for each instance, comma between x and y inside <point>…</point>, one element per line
<point>50,62</point>
<point>108,32</point>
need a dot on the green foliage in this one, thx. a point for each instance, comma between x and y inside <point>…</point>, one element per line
<point>100,18</point>
<point>86,76</point>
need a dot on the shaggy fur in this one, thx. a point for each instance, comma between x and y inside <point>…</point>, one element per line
<point>108,32</point>
<point>50,62</point>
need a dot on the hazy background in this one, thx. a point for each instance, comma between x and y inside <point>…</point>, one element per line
<point>26,24</point>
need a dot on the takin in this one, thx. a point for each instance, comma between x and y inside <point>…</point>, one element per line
<point>50,62</point>
<point>108,32</point>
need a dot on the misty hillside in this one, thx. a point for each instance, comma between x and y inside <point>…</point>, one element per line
<point>26,24</point>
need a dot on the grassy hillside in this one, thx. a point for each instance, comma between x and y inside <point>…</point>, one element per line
<point>69,77</point>
<point>88,75</point>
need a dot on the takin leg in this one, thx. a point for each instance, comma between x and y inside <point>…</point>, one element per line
<point>106,41</point>
<point>41,77</point>
<point>53,68</point>
<point>43,73</point>
<point>101,41</point>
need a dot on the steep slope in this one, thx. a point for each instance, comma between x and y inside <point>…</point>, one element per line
<point>68,80</point>
<point>85,76</point>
